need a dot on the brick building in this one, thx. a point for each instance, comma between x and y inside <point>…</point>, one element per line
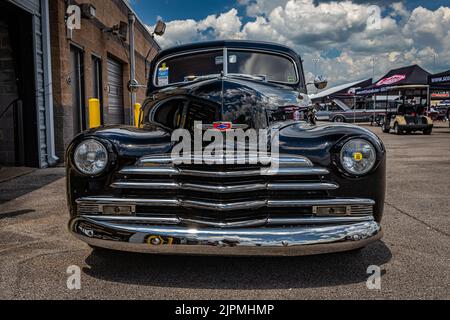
<point>48,74</point>
<point>94,62</point>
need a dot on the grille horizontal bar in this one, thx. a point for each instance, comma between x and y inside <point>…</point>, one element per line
<point>294,186</point>
<point>282,160</point>
<point>228,206</point>
<point>170,171</point>
<point>272,221</point>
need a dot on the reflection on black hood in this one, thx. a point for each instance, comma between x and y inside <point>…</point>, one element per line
<point>240,101</point>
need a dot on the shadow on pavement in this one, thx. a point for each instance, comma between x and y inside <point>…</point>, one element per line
<point>20,186</point>
<point>237,273</point>
<point>14,214</point>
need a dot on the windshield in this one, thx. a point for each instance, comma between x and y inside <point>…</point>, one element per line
<point>269,66</point>
<point>248,64</point>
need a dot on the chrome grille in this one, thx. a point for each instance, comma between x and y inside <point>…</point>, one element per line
<point>215,188</point>
<point>89,208</point>
<point>362,209</point>
<point>223,195</point>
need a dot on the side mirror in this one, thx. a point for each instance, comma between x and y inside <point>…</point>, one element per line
<point>134,86</point>
<point>160,28</point>
<point>320,82</point>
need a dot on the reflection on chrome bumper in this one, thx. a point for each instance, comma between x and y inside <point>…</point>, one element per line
<point>287,241</point>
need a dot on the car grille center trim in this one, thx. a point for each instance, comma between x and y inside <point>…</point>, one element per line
<point>170,171</point>
<point>274,221</point>
<point>225,189</point>
<point>294,161</point>
<point>229,206</point>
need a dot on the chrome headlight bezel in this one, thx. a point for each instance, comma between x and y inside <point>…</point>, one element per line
<point>358,157</point>
<point>99,157</point>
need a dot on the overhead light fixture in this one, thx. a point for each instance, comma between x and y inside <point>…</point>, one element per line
<point>88,11</point>
<point>120,30</point>
<point>160,28</point>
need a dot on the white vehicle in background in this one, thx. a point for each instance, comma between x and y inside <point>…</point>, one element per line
<point>338,111</point>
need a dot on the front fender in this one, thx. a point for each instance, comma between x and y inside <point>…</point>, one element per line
<point>322,145</point>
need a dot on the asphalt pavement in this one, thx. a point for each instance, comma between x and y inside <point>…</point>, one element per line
<point>414,256</point>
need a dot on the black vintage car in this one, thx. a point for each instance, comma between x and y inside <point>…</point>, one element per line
<point>127,191</point>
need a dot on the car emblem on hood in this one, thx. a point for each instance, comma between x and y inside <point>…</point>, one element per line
<point>223,126</point>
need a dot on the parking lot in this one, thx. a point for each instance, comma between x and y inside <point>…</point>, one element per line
<point>414,256</point>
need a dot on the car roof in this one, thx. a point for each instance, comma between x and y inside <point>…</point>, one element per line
<point>238,44</point>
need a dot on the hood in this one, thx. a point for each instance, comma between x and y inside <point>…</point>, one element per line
<point>239,101</point>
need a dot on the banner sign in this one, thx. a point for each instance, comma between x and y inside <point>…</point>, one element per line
<point>440,79</point>
<point>440,95</point>
<point>391,80</point>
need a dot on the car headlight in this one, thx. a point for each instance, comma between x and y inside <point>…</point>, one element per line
<point>358,157</point>
<point>91,157</point>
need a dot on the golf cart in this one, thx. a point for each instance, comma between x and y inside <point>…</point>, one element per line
<point>408,119</point>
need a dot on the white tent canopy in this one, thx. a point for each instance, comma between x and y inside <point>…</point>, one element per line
<point>331,91</point>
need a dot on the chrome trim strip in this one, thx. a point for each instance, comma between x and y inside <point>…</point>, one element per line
<point>150,170</point>
<point>129,201</point>
<point>134,219</point>
<point>240,224</point>
<point>291,160</point>
<point>295,241</point>
<point>322,186</point>
<point>223,174</point>
<point>318,220</point>
<point>321,202</point>
<point>224,206</point>
<point>225,189</point>
<point>220,174</point>
<point>146,185</point>
<point>272,221</point>
<point>225,61</point>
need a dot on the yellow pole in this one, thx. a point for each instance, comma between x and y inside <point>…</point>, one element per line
<point>94,113</point>
<point>137,115</point>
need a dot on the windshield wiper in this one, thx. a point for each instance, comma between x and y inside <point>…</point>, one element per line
<point>248,76</point>
<point>198,78</point>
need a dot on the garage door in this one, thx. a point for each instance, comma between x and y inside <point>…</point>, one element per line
<point>115,114</point>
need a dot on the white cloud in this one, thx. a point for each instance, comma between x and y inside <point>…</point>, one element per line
<point>317,28</point>
<point>261,7</point>
<point>225,25</point>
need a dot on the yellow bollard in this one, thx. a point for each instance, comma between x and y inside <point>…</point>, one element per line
<point>137,115</point>
<point>94,113</point>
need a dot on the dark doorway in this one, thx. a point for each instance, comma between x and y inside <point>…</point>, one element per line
<point>18,122</point>
<point>78,93</point>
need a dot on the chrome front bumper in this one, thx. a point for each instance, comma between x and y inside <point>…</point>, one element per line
<point>260,241</point>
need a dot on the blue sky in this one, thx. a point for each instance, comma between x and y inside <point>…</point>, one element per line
<point>347,36</point>
<point>170,10</point>
<point>150,10</point>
